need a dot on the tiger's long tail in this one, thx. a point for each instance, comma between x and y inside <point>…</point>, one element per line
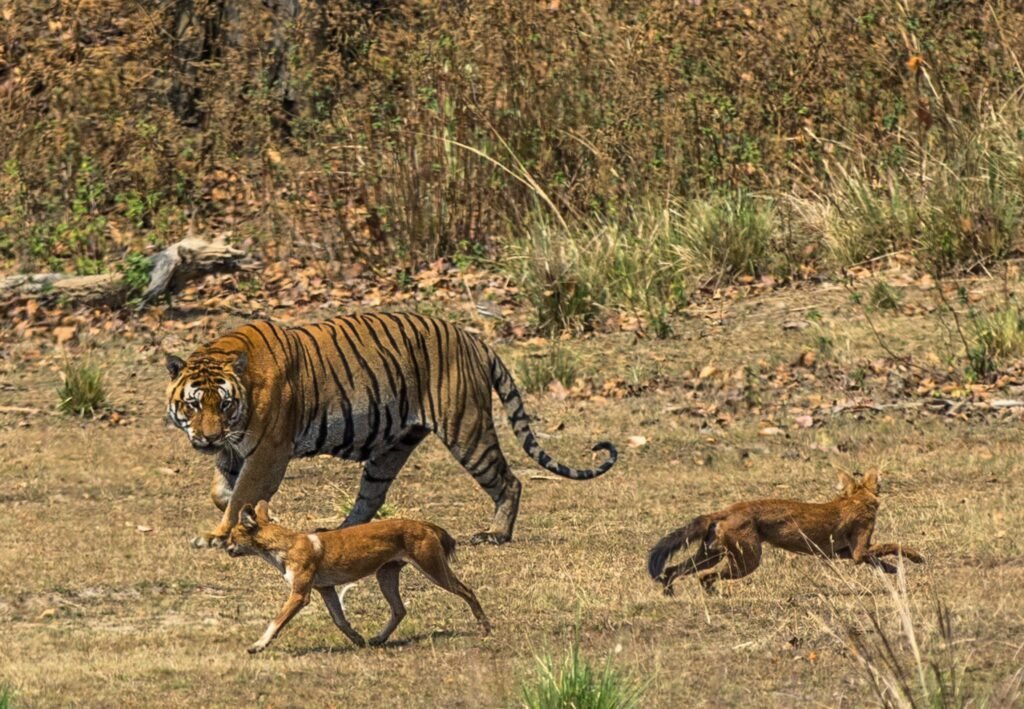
<point>512,402</point>
<point>672,542</point>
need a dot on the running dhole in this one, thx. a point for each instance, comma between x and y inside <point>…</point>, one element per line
<point>323,560</point>
<point>839,528</point>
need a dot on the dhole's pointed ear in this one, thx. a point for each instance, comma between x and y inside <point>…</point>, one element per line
<point>263,512</point>
<point>247,518</point>
<point>241,363</point>
<point>174,365</point>
<point>844,483</point>
<point>870,482</point>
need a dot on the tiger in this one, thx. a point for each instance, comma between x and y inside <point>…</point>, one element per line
<point>366,387</point>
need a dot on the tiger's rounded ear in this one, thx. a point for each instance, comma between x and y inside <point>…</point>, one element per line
<point>247,518</point>
<point>870,482</point>
<point>263,512</point>
<point>174,365</point>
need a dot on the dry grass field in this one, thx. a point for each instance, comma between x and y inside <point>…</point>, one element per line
<point>103,602</point>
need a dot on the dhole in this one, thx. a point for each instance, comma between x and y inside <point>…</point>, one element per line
<point>839,528</point>
<point>326,559</point>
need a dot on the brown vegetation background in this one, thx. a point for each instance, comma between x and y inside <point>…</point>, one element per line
<point>408,130</point>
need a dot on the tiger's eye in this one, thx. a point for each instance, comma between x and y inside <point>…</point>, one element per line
<point>225,404</point>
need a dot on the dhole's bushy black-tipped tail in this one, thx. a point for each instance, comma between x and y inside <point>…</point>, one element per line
<point>448,544</point>
<point>674,541</point>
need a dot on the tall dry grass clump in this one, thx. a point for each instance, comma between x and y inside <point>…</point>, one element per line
<point>909,663</point>
<point>570,272</point>
<point>955,199</point>
<point>727,235</point>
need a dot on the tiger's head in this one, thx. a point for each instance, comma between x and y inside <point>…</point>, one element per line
<point>207,398</point>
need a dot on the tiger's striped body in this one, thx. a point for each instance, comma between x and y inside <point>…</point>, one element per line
<point>363,387</point>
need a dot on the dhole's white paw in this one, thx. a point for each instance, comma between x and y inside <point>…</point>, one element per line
<point>209,541</point>
<point>258,647</point>
<point>488,538</point>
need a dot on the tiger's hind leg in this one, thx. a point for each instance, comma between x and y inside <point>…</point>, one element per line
<point>379,472</point>
<point>486,463</point>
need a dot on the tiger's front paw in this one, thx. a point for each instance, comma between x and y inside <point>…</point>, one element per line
<point>209,541</point>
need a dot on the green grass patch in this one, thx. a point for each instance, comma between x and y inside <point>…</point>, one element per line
<point>6,696</point>
<point>575,682</point>
<point>82,391</point>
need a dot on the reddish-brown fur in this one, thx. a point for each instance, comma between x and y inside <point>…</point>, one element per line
<point>839,528</point>
<point>327,559</point>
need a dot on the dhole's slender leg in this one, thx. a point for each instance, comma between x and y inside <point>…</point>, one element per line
<point>331,600</point>
<point>387,579</point>
<point>379,472</point>
<point>705,558</point>
<point>486,463</point>
<point>742,553</point>
<point>896,550</point>
<point>883,566</point>
<point>299,597</point>
<point>432,563</point>
<point>864,552</point>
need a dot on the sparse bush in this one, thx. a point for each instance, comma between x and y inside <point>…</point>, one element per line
<point>82,392</point>
<point>557,277</point>
<point>575,683</point>
<point>535,373</point>
<point>884,297</point>
<point>957,204</point>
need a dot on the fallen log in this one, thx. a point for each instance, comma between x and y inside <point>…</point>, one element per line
<point>169,271</point>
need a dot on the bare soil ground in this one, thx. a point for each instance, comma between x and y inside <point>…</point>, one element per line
<point>103,602</point>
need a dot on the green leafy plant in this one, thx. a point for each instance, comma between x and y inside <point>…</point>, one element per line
<point>135,270</point>
<point>344,502</point>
